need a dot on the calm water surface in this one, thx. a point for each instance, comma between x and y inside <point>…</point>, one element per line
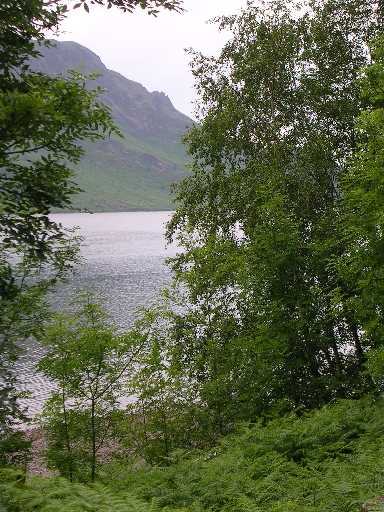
<point>123,264</point>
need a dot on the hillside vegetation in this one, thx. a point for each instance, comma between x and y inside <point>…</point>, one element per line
<point>331,459</point>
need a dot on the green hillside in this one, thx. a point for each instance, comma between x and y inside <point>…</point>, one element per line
<point>136,172</point>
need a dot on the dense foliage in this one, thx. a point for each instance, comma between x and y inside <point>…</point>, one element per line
<point>327,460</point>
<point>58,495</point>
<point>331,459</point>
<point>361,261</point>
<point>276,316</point>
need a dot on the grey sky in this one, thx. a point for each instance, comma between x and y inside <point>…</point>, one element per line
<point>151,50</point>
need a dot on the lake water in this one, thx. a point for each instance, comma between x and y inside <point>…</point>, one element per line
<point>124,257</point>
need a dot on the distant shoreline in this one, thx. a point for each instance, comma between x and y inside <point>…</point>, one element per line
<point>130,210</point>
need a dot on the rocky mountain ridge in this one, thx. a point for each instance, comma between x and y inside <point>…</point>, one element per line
<point>136,172</point>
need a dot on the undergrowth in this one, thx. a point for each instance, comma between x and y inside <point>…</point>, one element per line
<point>329,460</point>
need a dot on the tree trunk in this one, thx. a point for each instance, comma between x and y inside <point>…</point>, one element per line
<point>93,433</point>
<point>67,438</point>
<point>356,340</point>
<point>165,429</point>
<point>335,350</point>
<point>380,14</point>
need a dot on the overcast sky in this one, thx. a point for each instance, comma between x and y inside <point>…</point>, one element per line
<point>151,50</point>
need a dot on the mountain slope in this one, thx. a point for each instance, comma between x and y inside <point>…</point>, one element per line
<point>133,173</point>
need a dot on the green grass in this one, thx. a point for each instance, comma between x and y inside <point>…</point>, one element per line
<point>175,153</point>
<point>121,190</point>
<point>112,180</point>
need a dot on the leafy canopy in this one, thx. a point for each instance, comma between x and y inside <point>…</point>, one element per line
<point>152,6</point>
<point>268,322</point>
